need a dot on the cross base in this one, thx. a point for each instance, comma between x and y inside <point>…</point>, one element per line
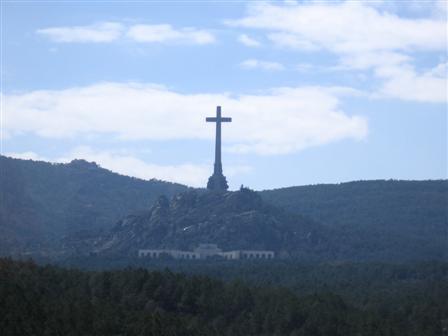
<point>217,182</point>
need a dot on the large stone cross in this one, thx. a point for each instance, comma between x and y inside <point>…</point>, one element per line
<point>218,181</point>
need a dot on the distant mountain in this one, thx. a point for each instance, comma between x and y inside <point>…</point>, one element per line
<point>233,220</point>
<point>376,220</point>
<point>44,206</point>
<point>40,202</point>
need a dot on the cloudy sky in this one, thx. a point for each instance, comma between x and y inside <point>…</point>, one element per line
<point>319,92</point>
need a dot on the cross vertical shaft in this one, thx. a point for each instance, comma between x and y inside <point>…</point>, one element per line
<point>218,181</point>
<point>218,164</point>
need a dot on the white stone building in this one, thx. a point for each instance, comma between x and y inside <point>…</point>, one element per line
<point>205,251</point>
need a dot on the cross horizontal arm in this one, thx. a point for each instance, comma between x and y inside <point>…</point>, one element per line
<point>211,119</point>
<point>226,119</point>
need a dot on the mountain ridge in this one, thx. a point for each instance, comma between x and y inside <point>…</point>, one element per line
<point>42,201</point>
<point>366,220</point>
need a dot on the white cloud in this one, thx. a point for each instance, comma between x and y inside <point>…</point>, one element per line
<point>100,32</point>
<point>405,83</point>
<point>364,36</point>
<point>292,41</point>
<point>187,173</point>
<point>248,41</point>
<point>281,120</point>
<point>345,27</point>
<point>264,65</point>
<point>112,31</point>
<point>166,33</point>
<point>399,77</point>
<point>364,61</point>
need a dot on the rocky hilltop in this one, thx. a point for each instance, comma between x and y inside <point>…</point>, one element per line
<point>233,220</point>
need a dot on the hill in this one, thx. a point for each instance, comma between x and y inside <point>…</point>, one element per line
<point>41,202</point>
<point>354,225</point>
<point>379,220</point>
<point>233,220</point>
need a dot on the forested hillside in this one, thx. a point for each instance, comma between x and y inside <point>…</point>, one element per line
<point>54,301</point>
<point>359,283</point>
<point>389,220</point>
<point>40,201</point>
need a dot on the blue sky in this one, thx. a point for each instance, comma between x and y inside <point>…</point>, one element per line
<point>319,92</point>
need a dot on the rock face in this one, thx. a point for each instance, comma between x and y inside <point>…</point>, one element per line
<point>233,220</point>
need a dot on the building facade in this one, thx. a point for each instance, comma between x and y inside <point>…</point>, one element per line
<point>207,251</point>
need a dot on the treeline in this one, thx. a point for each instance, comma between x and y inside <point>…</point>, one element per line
<point>366,285</point>
<point>49,300</point>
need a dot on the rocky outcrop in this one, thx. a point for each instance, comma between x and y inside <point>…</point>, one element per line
<point>233,220</point>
